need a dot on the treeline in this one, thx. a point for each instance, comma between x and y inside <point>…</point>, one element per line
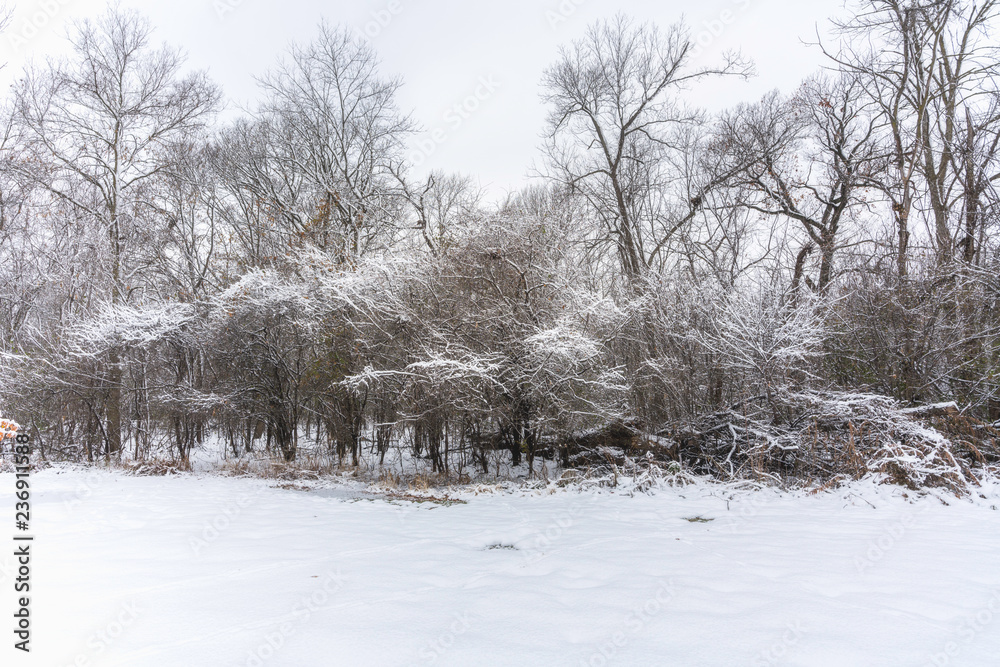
<point>283,282</point>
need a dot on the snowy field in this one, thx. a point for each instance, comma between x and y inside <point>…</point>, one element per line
<point>207,571</point>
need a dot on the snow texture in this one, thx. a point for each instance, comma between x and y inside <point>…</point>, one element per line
<point>207,570</point>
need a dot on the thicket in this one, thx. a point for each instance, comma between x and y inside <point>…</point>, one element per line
<point>807,286</point>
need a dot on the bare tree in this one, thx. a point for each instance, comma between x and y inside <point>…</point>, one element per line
<point>438,202</point>
<point>930,67</point>
<point>808,159</point>
<point>99,124</point>
<point>615,119</point>
<point>335,124</point>
<point>257,200</point>
<point>977,170</point>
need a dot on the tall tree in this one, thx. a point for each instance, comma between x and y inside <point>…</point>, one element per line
<point>98,125</point>
<point>932,69</point>
<point>616,131</point>
<point>336,126</point>
<point>808,158</point>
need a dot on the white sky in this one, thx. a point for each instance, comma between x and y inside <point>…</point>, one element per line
<point>444,48</point>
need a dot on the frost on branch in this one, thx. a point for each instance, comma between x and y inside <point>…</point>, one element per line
<point>826,436</point>
<point>757,331</point>
<point>132,326</point>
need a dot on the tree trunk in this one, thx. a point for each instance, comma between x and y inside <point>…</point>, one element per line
<point>114,405</point>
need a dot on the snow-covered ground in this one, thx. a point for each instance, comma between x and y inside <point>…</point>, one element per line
<point>208,571</point>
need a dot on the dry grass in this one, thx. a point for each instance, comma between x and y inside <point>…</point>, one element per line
<point>306,467</point>
<point>437,500</point>
<point>154,467</point>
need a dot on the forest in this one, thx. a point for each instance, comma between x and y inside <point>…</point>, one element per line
<point>804,287</point>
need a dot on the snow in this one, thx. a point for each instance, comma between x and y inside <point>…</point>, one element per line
<point>129,571</point>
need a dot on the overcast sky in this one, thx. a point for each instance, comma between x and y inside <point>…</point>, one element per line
<point>448,52</point>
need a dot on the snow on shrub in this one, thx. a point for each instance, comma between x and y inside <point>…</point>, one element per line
<point>131,326</point>
<point>825,436</point>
